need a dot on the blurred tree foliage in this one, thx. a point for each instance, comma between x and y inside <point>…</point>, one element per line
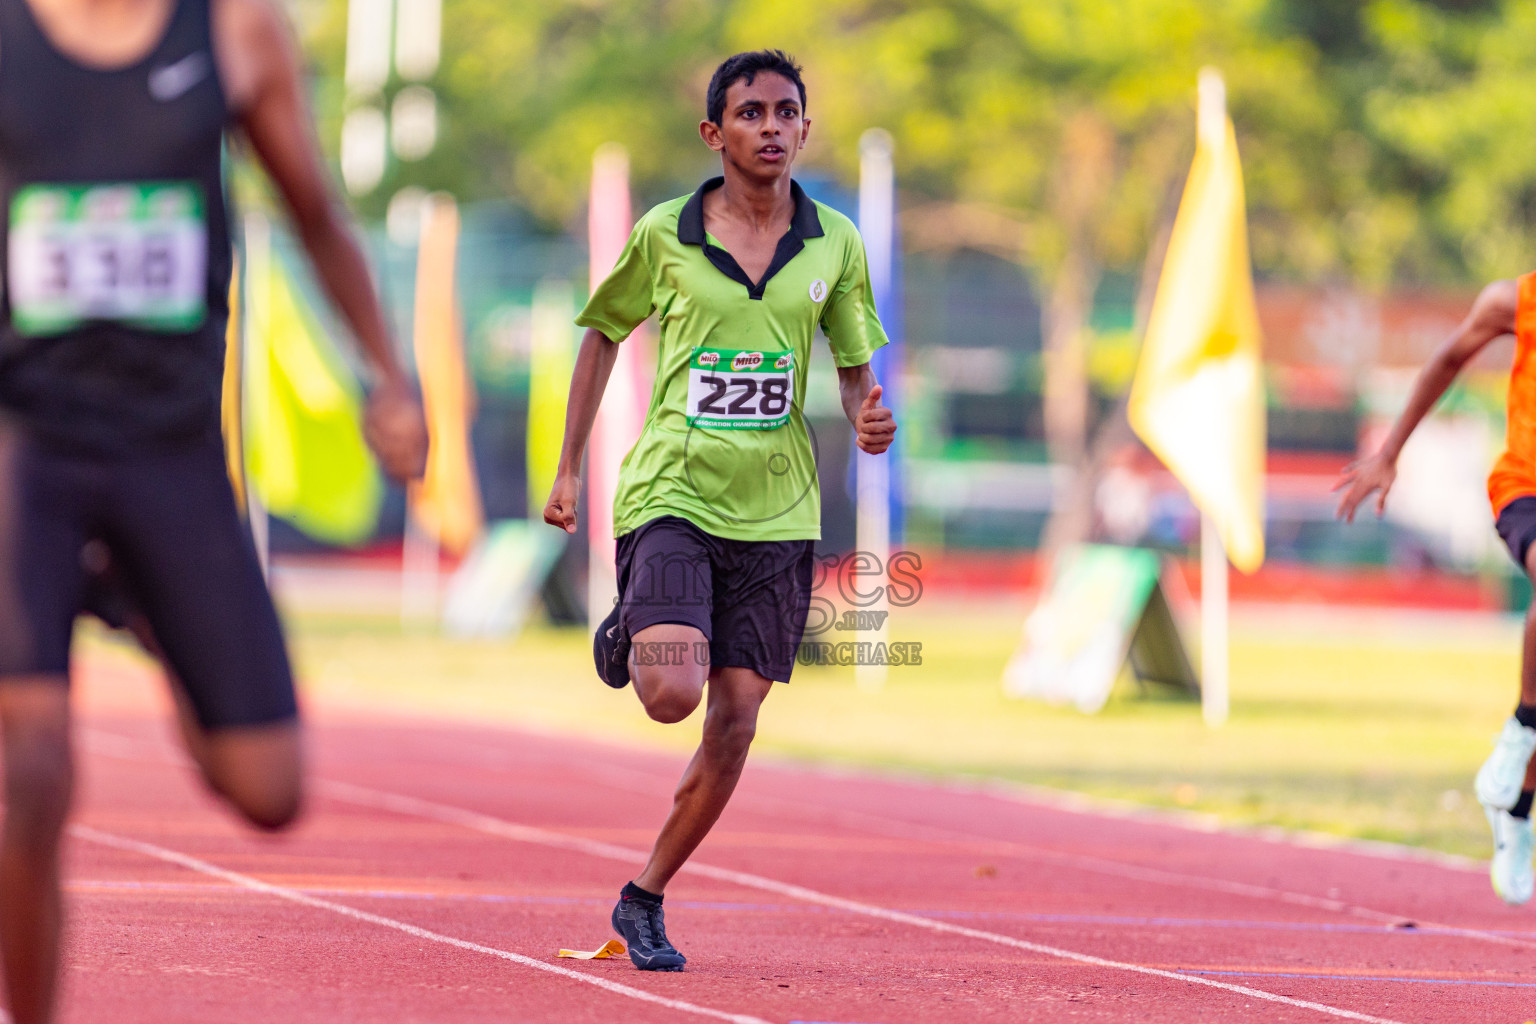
<point>1385,142</point>
<point>1452,110</point>
<point>1054,132</point>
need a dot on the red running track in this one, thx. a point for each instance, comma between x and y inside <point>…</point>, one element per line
<point>442,865</point>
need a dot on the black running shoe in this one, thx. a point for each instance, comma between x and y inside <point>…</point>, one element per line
<point>610,652</point>
<point>639,922</point>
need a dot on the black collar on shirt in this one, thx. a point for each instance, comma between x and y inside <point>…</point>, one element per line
<point>806,223</point>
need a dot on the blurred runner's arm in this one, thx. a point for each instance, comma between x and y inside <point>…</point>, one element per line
<point>1492,315</point>
<point>872,422</point>
<point>594,364</point>
<point>259,65</point>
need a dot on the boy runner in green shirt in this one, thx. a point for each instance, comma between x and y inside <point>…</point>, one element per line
<point>717,507</point>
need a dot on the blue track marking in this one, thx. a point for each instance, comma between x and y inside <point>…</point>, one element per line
<point>1361,977</point>
<point>780,908</point>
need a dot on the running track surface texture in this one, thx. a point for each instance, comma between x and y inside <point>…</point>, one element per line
<point>441,865</point>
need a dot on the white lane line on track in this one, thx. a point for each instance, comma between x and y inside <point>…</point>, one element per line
<point>1100,865</point>
<point>104,886</point>
<point>431,810</point>
<point>897,828</point>
<point>1040,798</point>
<point>294,896</point>
<point>129,748</point>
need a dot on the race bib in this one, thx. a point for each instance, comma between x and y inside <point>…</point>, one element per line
<point>133,253</point>
<point>740,390</point>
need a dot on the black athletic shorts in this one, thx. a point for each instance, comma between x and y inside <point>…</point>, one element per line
<point>1517,527</point>
<point>750,599</point>
<point>151,541</point>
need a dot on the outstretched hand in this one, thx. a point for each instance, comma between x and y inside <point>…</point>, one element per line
<point>560,510</point>
<point>875,426</point>
<point>1360,479</point>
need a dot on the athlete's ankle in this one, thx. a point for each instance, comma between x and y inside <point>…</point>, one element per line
<point>1525,714</point>
<point>631,891</point>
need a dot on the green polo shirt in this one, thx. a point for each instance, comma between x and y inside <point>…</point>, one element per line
<point>724,444</point>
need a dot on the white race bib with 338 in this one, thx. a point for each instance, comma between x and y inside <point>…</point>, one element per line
<point>131,253</point>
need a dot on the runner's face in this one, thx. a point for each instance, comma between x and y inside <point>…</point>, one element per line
<point>763,128</point>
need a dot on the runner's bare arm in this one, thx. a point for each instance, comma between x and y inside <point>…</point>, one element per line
<point>873,423</point>
<point>259,65</point>
<point>1492,315</point>
<point>594,364</point>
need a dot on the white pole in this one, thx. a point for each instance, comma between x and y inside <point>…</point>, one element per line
<point>874,538</point>
<point>418,38</point>
<point>1211,107</point>
<point>877,208</point>
<point>1211,125</point>
<point>260,534</point>
<point>364,131</point>
<point>1214,661</point>
<point>257,367</point>
<point>367,58</point>
<point>420,573</point>
<point>420,552</point>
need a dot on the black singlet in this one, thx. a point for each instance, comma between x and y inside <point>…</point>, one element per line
<point>114,238</point>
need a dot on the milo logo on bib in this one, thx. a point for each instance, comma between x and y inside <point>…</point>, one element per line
<point>134,253</point>
<point>740,390</point>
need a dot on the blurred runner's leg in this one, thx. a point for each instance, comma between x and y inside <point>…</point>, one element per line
<point>39,781</point>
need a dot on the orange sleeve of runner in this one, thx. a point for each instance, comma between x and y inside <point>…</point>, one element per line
<point>1514,475</point>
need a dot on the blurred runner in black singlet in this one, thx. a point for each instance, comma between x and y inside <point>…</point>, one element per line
<point>117,260</point>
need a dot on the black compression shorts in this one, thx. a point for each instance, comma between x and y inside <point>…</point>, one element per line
<point>750,599</point>
<point>151,541</point>
<point>1517,528</point>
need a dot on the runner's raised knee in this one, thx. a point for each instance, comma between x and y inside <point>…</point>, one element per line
<point>267,806</point>
<point>668,694</point>
<point>272,812</point>
<point>258,770</point>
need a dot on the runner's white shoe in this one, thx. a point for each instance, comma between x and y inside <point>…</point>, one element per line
<point>1500,777</point>
<point>1513,845</point>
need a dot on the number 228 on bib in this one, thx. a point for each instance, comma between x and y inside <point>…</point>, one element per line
<point>731,389</point>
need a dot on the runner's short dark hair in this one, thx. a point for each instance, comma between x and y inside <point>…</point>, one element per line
<point>747,65</point>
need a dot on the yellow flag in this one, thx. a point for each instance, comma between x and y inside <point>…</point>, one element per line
<point>305,458</point>
<point>549,378</point>
<point>1198,397</point>
<point>232,408</point>
<point>446,502</point>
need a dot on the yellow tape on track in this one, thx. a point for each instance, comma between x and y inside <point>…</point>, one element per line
<point>613,947</point>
